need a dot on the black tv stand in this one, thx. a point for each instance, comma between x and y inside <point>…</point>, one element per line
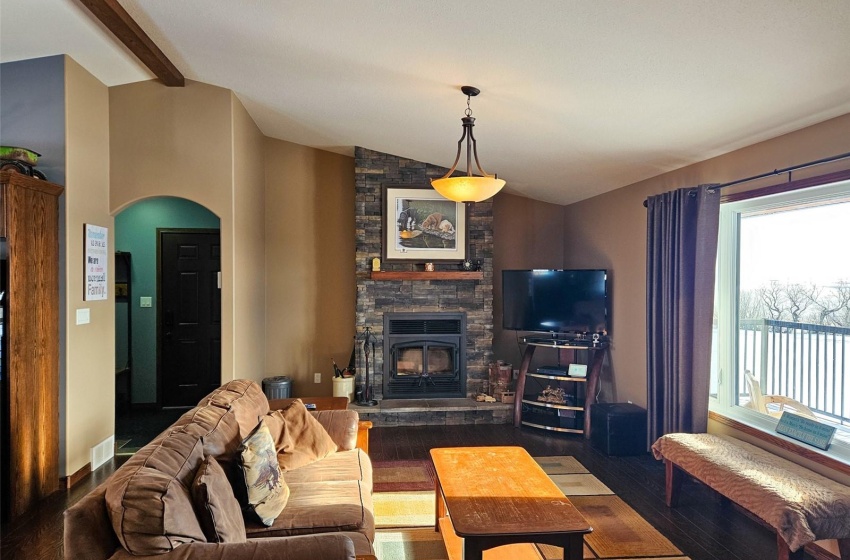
<point>561,341</point>
<point>567,351</point>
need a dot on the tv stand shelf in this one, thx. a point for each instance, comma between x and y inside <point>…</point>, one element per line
<point>582,390</point>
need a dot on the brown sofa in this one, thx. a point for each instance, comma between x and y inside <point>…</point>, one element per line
<point>329,513</point>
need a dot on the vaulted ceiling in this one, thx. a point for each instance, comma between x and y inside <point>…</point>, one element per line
<point>578,97</point>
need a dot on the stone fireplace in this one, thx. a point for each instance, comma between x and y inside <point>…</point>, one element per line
<point>472,299</point>
<point>424,355</point>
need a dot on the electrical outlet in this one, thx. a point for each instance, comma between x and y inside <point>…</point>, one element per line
<point>317,378</point>
<point>145,301</point>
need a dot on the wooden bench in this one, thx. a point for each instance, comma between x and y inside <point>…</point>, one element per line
<point>801,506</point>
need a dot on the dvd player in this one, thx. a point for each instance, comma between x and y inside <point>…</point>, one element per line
<point>552,370</point>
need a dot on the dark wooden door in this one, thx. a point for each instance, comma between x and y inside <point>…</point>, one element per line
<point>189,316</point>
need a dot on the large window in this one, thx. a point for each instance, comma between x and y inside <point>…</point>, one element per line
<point>782,310</point>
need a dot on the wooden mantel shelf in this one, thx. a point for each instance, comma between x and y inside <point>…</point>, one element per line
<point>424,275</point>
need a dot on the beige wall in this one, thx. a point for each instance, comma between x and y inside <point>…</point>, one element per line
<point>526,234</point>
<point>89,349</point>
<point>310,284</point>
<point>609,231</point>
<point>179,142</point>
<point>248,234</point>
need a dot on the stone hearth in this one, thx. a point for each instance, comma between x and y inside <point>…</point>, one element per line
<point>435,412</point>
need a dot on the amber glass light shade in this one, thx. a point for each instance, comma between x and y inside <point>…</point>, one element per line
<point>468,189</point>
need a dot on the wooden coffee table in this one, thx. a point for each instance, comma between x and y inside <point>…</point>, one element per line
<point>495,496</point>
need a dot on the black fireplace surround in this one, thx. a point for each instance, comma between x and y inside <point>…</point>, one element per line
<point>424,355</point>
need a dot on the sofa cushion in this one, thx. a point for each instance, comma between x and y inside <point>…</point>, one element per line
<point>244,397</point>
<point>299,438</point>
<point>341,425</point>
<point>336,467</point>
<point>267,492</point>
<point>224,419</point>
<point>218,511</point>
<point>148,499</point>
<point>321,507</point>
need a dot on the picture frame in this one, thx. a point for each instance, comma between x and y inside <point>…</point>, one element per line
<point>420,225</point>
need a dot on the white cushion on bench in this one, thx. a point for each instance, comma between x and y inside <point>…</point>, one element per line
<point>801,505</point>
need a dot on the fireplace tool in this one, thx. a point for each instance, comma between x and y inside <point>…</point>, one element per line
<point>365,398</point>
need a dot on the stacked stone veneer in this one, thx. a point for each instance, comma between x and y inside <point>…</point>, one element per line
<point>373,171</point>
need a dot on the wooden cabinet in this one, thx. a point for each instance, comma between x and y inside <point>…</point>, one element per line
<point>29,227</point>
<point>572,414</point>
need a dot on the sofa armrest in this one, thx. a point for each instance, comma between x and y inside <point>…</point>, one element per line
<point>88,533</point>
<point>327,546</point>
<point>342,426</point>
<point>363,428</point>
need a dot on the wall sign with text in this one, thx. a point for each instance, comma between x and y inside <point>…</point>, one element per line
<point>97,256</point>
<point>806,430</point>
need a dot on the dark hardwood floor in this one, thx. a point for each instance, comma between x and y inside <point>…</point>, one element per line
<point>703,526</point>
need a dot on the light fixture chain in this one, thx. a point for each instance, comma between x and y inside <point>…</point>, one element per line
<point>468,111</point>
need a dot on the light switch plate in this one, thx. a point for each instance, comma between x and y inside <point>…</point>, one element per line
<point>145,301</point>
<point>83,316</point>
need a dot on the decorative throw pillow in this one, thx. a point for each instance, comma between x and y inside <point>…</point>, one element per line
<point>299,437</point>
<point>218,510</point>
<point>266,489</point>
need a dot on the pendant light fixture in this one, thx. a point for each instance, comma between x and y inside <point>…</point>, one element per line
<point>468,188</point>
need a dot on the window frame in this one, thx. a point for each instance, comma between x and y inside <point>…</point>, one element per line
<point>832,188</point>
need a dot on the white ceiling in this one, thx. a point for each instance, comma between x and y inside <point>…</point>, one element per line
<point>578,97</point>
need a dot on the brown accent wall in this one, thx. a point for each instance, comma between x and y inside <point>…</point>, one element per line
<point>609,231</point>
<point>526,234</point>
<point>309,229</point>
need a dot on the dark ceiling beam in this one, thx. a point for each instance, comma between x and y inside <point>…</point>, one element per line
<point>118,21</point>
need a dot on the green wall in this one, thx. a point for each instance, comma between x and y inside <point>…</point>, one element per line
<point>135,233</point>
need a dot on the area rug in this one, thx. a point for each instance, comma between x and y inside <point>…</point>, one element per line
<point>403,476</point>
<point>406,505</point>
<point>404,509</point>
<point>409,544</point>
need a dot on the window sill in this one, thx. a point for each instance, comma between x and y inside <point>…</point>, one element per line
<point>824,458</point>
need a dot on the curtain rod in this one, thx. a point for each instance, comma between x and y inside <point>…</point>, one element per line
<point>780,171</point>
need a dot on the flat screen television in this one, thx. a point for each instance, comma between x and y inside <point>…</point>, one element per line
<point>555,301</point>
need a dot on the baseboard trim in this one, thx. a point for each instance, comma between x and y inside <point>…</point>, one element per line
<point>73,479</point>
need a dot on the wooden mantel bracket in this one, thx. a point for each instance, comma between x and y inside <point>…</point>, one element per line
<point>111,14</point>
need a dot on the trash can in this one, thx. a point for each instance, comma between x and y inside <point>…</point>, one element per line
<point>277,387</point>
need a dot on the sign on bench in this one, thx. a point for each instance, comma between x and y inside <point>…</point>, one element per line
<point>806,430</point>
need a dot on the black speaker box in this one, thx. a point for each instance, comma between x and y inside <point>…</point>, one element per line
<point>618,428</point>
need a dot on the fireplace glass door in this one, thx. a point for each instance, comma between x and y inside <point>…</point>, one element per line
<point>424,359</point>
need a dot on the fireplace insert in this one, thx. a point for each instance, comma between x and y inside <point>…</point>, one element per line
<point>424,355</point>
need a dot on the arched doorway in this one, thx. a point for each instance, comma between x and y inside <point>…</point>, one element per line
<point>140,316</point>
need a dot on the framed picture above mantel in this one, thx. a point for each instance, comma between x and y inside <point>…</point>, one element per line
<point>421,226</point>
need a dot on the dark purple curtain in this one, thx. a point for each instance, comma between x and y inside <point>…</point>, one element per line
<point>681,252</point>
